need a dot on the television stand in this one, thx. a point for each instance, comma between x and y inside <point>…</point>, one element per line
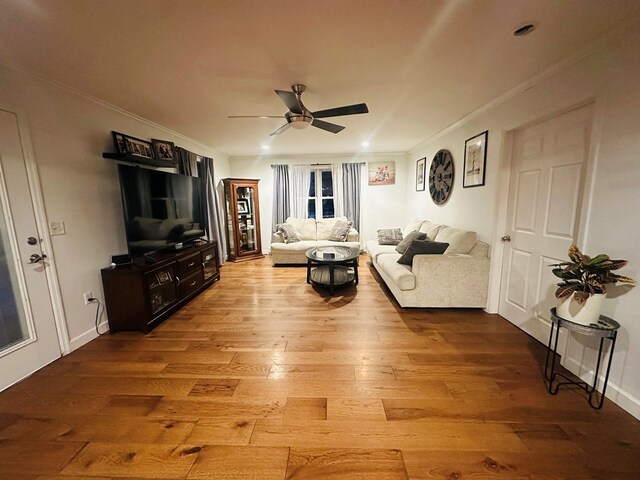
<point>140,295</point>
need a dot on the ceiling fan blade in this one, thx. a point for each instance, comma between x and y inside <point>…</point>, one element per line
<point>329,127</point>
<point>280,130</point>
<point>339,111</point>
<point>290,99</point>
<point>255,116</point>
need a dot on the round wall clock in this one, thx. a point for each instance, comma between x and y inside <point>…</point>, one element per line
<point>441,177</point>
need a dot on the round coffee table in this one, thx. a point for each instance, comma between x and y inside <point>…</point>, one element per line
<point>334,266</point>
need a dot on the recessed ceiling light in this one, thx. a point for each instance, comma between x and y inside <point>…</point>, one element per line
<point>524,30</point>
<point>365,144</point>
<point>266,147</point>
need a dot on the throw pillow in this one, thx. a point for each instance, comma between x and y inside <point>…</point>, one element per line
<point>389,236</point>
<point>406,241</point>
<point>289,234</point>
<point>422,247</point>
<point>340,231</point>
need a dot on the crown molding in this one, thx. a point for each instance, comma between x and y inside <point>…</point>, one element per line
<point>318,156</point>
<point>615,34</point>
<point>110,106</point>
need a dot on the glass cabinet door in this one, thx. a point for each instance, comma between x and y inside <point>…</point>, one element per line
<point>245,196</point>
<point>163,291</point>
<point>243,219</point>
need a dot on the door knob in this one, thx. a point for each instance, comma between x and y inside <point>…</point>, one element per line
<point>36,258</point>
<point>506,238</point>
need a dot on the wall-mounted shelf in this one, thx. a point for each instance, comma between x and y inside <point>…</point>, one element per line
<point>153,162</point>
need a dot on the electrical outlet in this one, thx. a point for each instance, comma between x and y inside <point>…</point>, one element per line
<point>87,296</point>
<point>57,228</point>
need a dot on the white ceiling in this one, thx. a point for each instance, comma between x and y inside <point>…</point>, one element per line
<point>419,65</point>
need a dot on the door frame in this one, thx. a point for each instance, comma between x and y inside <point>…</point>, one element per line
<point>42,224</point>
<point>502,195</point>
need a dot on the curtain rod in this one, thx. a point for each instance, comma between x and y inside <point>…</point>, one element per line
<point>312,164</point>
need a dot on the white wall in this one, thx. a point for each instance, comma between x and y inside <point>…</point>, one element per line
<point>382,206</point>
<point>69,132</point>
<point>609,78</point>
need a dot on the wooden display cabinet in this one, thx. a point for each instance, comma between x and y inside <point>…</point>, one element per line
<point>243,219</point>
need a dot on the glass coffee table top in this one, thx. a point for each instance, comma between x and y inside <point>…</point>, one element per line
<point>331,254</point>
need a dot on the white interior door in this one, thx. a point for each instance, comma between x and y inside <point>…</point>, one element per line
<point>545,194</point>
<point>28,336</point>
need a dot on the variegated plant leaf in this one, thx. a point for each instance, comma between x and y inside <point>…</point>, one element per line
<point>565,290</point>
<point>597,259</point>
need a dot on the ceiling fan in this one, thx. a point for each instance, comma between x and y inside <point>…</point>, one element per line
<point>300,117</point>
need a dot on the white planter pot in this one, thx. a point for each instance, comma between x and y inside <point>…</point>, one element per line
<point>584,314</point>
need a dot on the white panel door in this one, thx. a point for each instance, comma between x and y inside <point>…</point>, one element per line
<point>28,336</point>
<point>545,193</point>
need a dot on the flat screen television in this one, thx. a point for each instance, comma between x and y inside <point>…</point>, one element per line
<point>162,211</point>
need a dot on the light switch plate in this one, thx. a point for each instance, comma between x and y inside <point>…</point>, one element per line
<point>57,228</point>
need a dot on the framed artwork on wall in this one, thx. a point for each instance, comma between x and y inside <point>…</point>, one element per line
<point>420,174</point>
<point>382,173</point>
<point>475,160</point>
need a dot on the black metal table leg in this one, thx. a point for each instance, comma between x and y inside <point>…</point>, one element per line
<point>606,328</point>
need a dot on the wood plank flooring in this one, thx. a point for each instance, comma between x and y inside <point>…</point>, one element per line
<point>264,377</point>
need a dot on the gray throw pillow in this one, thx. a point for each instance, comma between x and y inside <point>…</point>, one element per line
<point>340,231</point>
<point>406,241</point>
<point>389,236</point>
<point>422,247</point>
<point>289,234</point>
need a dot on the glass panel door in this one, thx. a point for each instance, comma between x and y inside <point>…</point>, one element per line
<point>246,219</point>
<point>13,321</point>
<point>28,334</point>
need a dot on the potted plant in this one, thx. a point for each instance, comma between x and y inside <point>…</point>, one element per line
<point>583,286</point>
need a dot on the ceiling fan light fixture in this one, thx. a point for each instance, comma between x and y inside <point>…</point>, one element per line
<point>299,122</point>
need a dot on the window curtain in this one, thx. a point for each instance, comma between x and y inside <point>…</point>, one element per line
<point>299,183</point>
<point>338,194</point>
<point>215,228</point>
<point>351,192</point>
<point>188,165</point>
<point>187,162</point>
<point>281,201</point>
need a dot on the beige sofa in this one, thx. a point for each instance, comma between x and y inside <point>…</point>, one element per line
<point>458,278</point>
<point>315,233</point>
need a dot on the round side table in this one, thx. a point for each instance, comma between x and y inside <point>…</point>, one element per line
<point>605,328</point>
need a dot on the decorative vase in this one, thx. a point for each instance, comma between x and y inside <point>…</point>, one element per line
<point>584,314</point>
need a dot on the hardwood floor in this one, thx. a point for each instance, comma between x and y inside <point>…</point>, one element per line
<point>263,377</point>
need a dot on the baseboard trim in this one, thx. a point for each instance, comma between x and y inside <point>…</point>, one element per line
<point>617,395</point>
<point>86,337</point>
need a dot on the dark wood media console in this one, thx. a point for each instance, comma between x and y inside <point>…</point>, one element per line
<point>139,296</point>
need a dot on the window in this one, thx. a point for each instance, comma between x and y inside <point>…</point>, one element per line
<point>320,194</point>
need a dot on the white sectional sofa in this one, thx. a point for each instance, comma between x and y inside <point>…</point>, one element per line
<point>315,233</point>
<point>458,278</point>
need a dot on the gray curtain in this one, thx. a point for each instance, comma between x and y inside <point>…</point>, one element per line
<point>281,201</point>
<point>187,162</point>
<point>351,192</point>
<point>205,171</point>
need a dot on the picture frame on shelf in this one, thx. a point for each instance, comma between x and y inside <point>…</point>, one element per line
<point>119,142</point>
<point>137,147</point>
<point>420,174</point>
<point>243,206</point>
<point>475,160</point>
<point>164,150</point>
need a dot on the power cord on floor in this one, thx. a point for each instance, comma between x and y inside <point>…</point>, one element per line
<point>98,313</point>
